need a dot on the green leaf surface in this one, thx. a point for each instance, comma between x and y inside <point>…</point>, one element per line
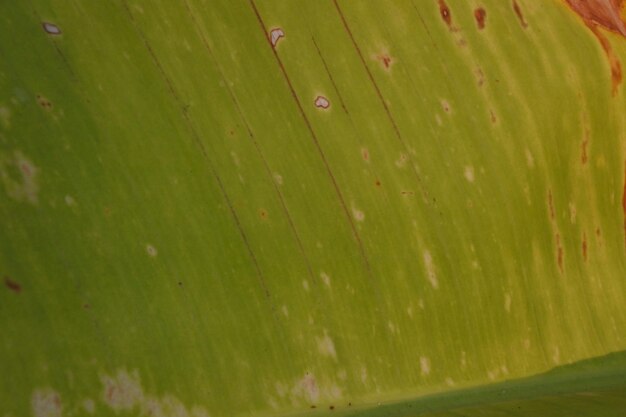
<point>186,231</point>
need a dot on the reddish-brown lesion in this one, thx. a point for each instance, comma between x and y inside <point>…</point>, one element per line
<point>603,14</point>
<point>583,152</point>
<point>559,252</point>
<point>385,60</point>
<point>12,285</point>
<point>444,11</point>
<point>480,15</point>
<point>520,15</point>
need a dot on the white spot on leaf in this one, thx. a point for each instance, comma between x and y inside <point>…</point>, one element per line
<point>89,406</point>
<point>430,270</point>
<point>469,173</point>
<point>51,28</point>
<point>322,102</point>
<point>424,365</point>
<point>151,250</point>
<point>359,216</point>
<point>275,35</point>
<point>325,346</point>
<point>19,177</point>
<point>46,402</point>
<point>123,391</point>
<point>325,279</point>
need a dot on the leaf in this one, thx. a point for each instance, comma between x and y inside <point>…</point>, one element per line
<point>259,207</point>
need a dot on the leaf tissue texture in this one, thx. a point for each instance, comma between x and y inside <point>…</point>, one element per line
<point>330,207</point>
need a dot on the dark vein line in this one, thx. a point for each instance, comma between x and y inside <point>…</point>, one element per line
<point>381,98</point>
<point>252,137</point>
<point>55,45</point>
<point>315,141</point>
<point>198,141</point>
<point>330,76</point>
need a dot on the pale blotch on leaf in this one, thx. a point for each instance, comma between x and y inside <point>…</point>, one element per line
<point>530,161</point>
<point>151,250</point>
<point>46,402</point>
<point>19,177</point>
<point>359,216</point>
<point>469,173</point>
<point>275,35</point>
<point>122,391</point>
<point>326,346</point>
<point>325,279</point>
<point>430,270</point>
<point>307,388</point>
<point>89,406</point>
<point>364,374</point>
<point>424,365</point>
<point>305,285</point>
<point>507,303</point>
<point>445,106</point>
<point>69,200</point>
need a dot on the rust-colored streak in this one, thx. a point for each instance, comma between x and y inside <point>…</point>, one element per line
<point>584,247</point>
<point>583,154</point>
<point>550,205</point>
<point>12,285</point>
<point>605,14</point>
<point>614,62</point>
<point>444,10</point>
<point>480,15</point>
<point>519,14</point>
<point>386,60</point>
<point>559,253</point>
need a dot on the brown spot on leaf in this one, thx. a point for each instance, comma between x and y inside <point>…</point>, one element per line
<point>365,153</point>
<point>444,11</point>
<point>332,407</point>
<point>480,15</point>
<point>519,14</point>
<point>12,285</point>
<point>263,214</point>
<point>492,117</point>
<point>480,77</point>
<point>584,247</point>
<point>603,14</point>
<point>44,102</point>
<point>385,60</point>
<point>377,183</point>
<point>583,151</point>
